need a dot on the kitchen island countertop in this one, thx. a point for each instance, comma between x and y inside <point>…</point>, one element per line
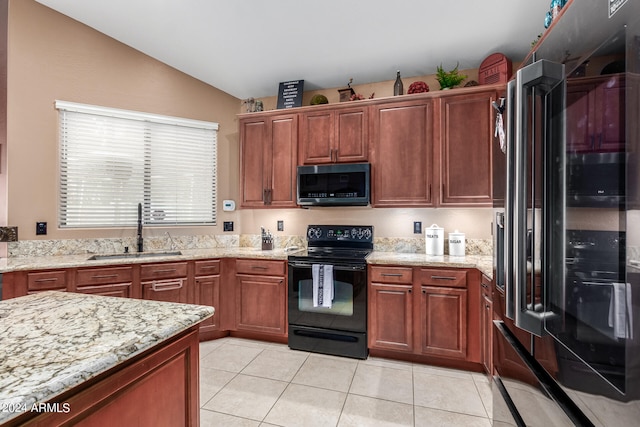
<point>55,341</point>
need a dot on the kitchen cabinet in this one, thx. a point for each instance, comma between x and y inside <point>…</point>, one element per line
<point>443,313</point>
<point>425,314</point>
<point>207,291</point>
<point>594,122</point>
<point>165,282</point>
<point>158,388</point>
<point>391,308</point>
<point>466,148</point>
<point>261,297</point>
<point>402,153</point>
<point>334,135</point>
<point>107,281</point>
<point>486,324</point>
<point>268,160</point>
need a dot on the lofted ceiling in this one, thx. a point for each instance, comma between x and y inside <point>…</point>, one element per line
<point>246,47</point>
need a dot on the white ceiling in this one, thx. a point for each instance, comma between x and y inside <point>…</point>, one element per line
<point>246,47</point>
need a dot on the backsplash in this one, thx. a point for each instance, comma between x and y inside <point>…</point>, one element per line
<point>28,248</point>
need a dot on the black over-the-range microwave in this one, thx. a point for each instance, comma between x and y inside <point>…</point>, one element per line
<point>334,185</point>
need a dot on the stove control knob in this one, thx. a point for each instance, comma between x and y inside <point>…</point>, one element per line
<point>367,234</point>
<point>314,233</point>
<point>354,233</point>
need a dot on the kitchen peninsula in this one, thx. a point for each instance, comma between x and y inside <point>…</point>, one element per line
<point>94,360</point>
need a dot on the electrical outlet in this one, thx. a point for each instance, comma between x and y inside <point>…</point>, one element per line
<point>280,225</point>
<point>227,226</point>
<point>41,228</point>
<point>417,227</point>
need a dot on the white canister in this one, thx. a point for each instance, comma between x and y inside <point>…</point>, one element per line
<point>434,240</point>
<point>456,244</point>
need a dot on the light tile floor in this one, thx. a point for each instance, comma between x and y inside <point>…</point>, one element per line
<point>254,383</point>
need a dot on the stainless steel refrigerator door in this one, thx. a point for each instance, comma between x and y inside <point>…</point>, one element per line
<point>527,216</point>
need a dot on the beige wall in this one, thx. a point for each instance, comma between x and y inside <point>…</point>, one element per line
<point>52,57</point>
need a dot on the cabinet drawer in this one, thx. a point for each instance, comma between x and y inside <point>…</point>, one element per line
<point>207,268</point>
<point>97,276</point>
<point>163,271</point>
<point>392,274</point>
<point>262,267</point>
<point>448,278</point>
<point>47,280</point>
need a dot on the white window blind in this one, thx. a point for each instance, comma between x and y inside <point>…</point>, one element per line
<point>111,160</point>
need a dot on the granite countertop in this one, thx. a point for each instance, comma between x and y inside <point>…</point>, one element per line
<point>484,263</point>
<point>69,261</point>
<point>54,341</point>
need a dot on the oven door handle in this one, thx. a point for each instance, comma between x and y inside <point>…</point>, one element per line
<point>340,267</point>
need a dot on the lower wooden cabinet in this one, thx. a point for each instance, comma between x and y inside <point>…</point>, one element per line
<point>165,282</point>
<point>261,299</point>
<point>207,291</point>
<point>425,313</point>
<point>158,388</point>
<point>106,281</point>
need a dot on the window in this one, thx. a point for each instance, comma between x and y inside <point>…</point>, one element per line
<point>111,160</point>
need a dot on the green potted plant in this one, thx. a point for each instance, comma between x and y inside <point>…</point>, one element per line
<point>449,79</point>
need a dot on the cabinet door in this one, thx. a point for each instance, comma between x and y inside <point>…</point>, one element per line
<point>261,304</point>
<point>390,317</point>
<point>254,136</point>
<point>402,141</point>
<point>208,293</point>
<point>282,157</point>
<point>466,136</point>
<point>352,135</point>
<point>486,331</point>
<point>444,322</point>
<point>317,137</point>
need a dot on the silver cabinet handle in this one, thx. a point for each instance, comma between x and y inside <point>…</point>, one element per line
<point>167,285</point>
<point>443,278</point>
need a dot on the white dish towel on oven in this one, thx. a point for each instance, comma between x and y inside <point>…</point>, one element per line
<point>322,285</point>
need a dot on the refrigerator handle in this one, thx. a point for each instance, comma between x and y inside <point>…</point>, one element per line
<point>509,201</point>
<point>539,79</point>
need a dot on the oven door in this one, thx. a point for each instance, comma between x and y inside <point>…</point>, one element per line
<point>348,309</point>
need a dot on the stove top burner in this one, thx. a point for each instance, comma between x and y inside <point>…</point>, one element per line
<point>337,242</point>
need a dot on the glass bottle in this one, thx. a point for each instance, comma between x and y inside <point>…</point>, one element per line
<point>397,87</point>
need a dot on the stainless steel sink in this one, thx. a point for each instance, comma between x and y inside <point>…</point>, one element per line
<point>133,255</point>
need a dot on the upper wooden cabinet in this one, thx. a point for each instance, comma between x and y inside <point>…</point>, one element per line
<point>334,135</point>
<point>426,150</point>
<point>594,119</point>
<point>466,148</point>
<point>268,160</point>
<point>402,153</point>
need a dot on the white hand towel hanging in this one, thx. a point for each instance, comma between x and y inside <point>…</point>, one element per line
<point>322,285</point>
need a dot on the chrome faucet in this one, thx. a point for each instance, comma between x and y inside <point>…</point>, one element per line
<point>140,241</point>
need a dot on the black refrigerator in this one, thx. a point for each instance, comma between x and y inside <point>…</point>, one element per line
<point>566,336</point>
